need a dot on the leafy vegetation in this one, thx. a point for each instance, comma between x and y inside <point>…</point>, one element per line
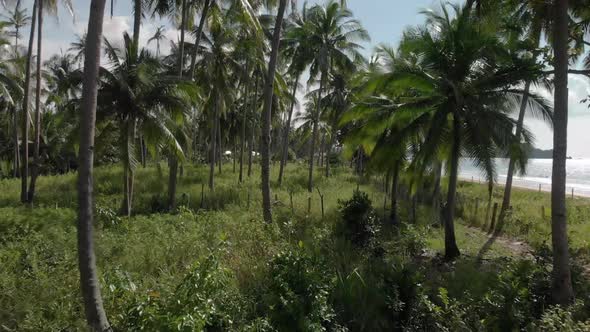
<point>171,236</point>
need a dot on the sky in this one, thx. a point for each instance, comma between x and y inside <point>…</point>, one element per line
<point>385,21</point>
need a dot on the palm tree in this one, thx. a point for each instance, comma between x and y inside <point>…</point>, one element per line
<point>215,71</point>
<point>454,84</point>
<point>95,314</point>
<point>330,33</point>
<point>266,113</point>
<point>37,141</point>
<point>158,36</point>
<point>17,19</point>
<point>78,47</point>
<point>25,109</point>
<point>140,97</point>
<point>299,57</point>
<point>562,289</point>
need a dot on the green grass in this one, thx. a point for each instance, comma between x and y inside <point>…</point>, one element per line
<point>527,221</point>
<point>143,260</point>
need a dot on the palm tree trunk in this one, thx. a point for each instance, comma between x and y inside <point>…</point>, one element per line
<point>451,249</point>
<point>394,184</point>
<point>436,192</point>
<point>512,162</point>
<point>266,114</point>
<point>219,147</point>
<point>128,170</point>
<point>36,159</point>
<point>212,144</point>
<point>172,180</point>
<point>233,155</point>
<point>329,147</point>
<point>251,150</point>
<point>243,127</point>
<point>136,22</point>
<point>314,134</point>
<point>285,150</point>
<point>25,139</point>
<point>198,38</point>
<point>16,145</point>
<point>562,290</point>
<point>173,160</point>
<point>89,282</point>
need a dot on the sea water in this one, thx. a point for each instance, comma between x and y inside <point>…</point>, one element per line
<point>538,172</point>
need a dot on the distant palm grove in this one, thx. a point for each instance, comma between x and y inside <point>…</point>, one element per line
<point>269,173</point>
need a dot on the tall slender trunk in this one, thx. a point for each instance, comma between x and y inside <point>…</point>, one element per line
<point>137,11</point>
<point>394,184</point>
<point>512,162</point>
<point>329,147</point>
<point>562,290</point>
<point>285,150</point>
<point>266,114</point>
<point>251,151</point>
<point>212,141</point>
<point>172,180</point>
<point>436,192</point>
<point>25,139</point>
<point>314,134</point>
<point>89,282</point>
<point>243,125</point>
<point>219,147</point>
<point>173,160</point>
<point>37,141</point>
<point>128,172</point>
<point>198,38</point>
<point>233,155</point>
<point>451,249</point>
<point>16,145</point>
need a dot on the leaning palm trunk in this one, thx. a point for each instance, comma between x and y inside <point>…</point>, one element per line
<point>285,152</point>
<point>25,138</point>
<point>95,314</point>
<point>562,290</point>
<point>266,114</point>
<point>451,249</point>
<point>173,160</point>
<point>512,163</point>
<point>198,38</point>
<point>314,134</point>
<point>37,141</point>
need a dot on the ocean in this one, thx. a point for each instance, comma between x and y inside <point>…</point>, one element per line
<point>538,173</point>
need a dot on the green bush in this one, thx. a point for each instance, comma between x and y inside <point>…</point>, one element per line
<point>297,298</point>
<point>359,221</point>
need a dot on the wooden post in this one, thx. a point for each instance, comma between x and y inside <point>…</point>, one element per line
<point>202,196</point>
<point>493,222</point>
<point>248,202</point>
<point>572,193</point>
<point>539,187</point>
<point>543,212</point>
<point>476,208</point>
<point>309,205</point>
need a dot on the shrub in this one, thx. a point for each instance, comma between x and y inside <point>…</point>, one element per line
<point>297,298</point>
<point>359,221</point>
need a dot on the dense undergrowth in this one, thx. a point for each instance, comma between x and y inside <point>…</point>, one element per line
<point>214,265</point>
